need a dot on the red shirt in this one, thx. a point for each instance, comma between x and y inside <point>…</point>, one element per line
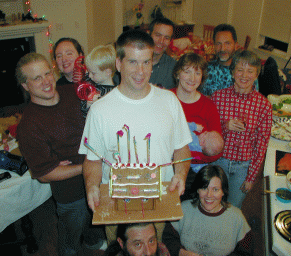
<point>203,112</point>
<point>254,141</point>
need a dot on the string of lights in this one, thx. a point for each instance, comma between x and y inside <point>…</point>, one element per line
<point>35,19</point>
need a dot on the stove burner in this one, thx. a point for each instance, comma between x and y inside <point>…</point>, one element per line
<point>282,223</point>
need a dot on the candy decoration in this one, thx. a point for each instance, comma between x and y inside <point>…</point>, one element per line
<point>135,149</point>
<point>148,138</point>
<point>119,134</point>
<point>79,70</point>
<point>86,91</point>
<point>176,162</point>
<point>93,150</point>
<point>134,191</point>
<point>126,128</point>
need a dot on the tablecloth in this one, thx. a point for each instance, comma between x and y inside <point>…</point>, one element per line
<point>20,195</point>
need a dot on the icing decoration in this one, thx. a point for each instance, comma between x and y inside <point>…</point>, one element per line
<point>117,157</point>
<point>133,177</point>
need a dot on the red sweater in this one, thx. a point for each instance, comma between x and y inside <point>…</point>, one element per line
<point>202,112</point>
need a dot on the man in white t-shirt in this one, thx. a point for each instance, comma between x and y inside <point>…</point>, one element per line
<point>138,109</point>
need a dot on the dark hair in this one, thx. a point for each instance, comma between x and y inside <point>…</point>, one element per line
<point>203,178</point>
<point>191,59</point>
<point>122,229</point>
<point>134,37</point>
<point>246,57</point>
<point>225,27</point>
<point>114,247</point>
<point>76,44</point>
<point>163,21</point>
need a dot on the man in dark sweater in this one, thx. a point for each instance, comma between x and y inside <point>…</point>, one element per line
<point>49,136</point>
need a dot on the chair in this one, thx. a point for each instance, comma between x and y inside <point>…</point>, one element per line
<point>247,42</point>
<point>208,32</point>
<point>269,80</point>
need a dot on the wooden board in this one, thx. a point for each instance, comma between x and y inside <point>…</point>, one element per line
<point>169,208</point>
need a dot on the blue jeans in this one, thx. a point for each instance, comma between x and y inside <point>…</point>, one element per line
<point>74,223</point>
<point>236,172</point>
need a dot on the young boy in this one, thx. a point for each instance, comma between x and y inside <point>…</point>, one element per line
<point>100,64</point>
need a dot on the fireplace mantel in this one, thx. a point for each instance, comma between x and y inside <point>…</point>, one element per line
<point>22,30</point>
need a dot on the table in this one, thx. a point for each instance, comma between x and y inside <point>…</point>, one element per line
<point>274,242</point>
<point>19,196</point>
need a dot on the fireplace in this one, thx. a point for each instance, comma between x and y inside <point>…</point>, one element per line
<point>16,41</point>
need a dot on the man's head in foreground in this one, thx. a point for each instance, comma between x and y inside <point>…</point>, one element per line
<point>137,239</point>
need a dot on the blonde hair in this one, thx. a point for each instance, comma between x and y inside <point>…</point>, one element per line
<point>103,57</point>
<point>25,60</point>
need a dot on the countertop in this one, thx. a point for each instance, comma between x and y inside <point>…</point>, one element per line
<point>278,244</point>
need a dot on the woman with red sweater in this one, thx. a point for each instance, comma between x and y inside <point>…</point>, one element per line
<point>201,113</point>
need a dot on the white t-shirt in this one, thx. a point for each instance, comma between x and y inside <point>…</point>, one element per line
<point>159,114</point>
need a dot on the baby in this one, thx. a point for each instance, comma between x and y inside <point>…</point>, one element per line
<point>100,65</point>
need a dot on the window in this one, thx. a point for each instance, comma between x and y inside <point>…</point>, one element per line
<point>279,45</point>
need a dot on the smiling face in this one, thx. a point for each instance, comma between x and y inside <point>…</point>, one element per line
<point>40,83</point>
<point>135,69</point>
<point>210,197</point>
<point>190,78</point>
<point>244,77</point>
<point>142,241</point>
<point>225,47</point>
<point>162,35</point>
<point>66,54</point>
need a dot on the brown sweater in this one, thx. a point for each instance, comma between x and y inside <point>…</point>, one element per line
<point>50,134</point>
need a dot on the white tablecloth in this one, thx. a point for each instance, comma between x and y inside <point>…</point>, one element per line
<point>19,196</point>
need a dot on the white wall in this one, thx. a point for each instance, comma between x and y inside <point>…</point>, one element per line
<point>10,7</point>
<point>67,17</point>
<point>209,12</point>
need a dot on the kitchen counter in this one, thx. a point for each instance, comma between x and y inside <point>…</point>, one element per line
<point>275,243</point>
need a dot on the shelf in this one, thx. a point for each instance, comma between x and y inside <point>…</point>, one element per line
<point>23,29</point>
